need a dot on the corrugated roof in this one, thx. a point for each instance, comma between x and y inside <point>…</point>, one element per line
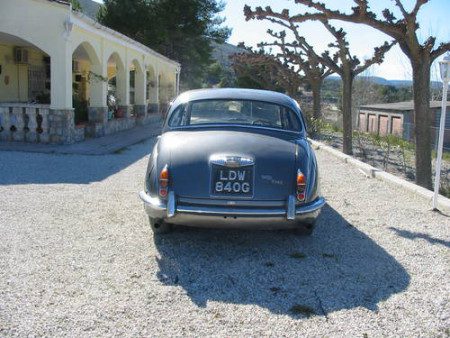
<point>400,106</point>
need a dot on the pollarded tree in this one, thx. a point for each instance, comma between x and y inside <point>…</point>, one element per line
<point>341,62</point>
<point>302,56</point>
<point>420,54</point>
<point>265,71</point>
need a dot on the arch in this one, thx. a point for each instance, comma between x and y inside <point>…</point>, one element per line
<point>137,87</point>
<point>137,66</point>
<point>118,79</point>
<point>86,51</point>
<point>86,89</point>
<point>26,80</point>
<point>19,41</point>
<point>114,58</point>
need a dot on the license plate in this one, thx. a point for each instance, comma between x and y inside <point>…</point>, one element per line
<point>232,182</point>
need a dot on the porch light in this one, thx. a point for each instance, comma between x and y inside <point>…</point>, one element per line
<point>68,25</point>
<point>444,66</point>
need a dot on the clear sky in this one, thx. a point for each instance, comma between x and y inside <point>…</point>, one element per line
<point>434,20</point>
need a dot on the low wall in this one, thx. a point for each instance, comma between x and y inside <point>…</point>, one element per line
<point>36,124</point>
<point>40,124</point>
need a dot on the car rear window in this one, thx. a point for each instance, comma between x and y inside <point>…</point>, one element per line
<point>240,112</point>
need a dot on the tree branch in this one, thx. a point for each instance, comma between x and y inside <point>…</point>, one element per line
<point>378,57</point>
<point>419,3</point>
<point>443,47</point>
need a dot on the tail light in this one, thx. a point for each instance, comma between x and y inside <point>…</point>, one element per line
<point>164,182</point>
<point>301,187</point>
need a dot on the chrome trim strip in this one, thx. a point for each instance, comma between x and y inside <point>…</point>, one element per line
<point>152,201</point>
<point>262,212</point>
<point>231,161</point>
<point>158,208</point>
<point>290,213</point>
<point>230,211</point>
<point>214,125</point>
<point>171,205</point>
<point>231,201</point>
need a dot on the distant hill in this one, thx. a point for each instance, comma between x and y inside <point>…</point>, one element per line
<point>385,82</point>
<point>222,52</point>
<point>90,8</point>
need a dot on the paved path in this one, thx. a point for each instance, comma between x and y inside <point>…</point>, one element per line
<point>77,258</point>
<point>96,146</point>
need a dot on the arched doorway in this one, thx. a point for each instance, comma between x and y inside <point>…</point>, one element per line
<point>85,65</point>
<point>117,87</point>
<point>25,72</point>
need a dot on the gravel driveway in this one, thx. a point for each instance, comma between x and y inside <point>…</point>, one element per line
<point>77,258</point>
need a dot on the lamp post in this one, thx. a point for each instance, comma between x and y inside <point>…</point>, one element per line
<point>444,66</point>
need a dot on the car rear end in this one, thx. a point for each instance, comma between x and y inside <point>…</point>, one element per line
<point>233,176</point>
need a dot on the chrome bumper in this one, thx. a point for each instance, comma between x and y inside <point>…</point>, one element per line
<point>230,217</point>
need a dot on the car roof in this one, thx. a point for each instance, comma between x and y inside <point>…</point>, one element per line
<point>236,94</point>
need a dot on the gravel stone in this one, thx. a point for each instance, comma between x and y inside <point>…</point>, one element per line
<point>78,258</point>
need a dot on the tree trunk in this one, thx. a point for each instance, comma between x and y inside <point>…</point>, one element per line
<point>422,121</point>
<point>347,84</point>
<point>316,88</point>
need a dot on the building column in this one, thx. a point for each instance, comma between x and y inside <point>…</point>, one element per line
<point>123,89</point>
<point>61,78</point>
<point>98,109</point>
<point>61,115</point>
<point>140,93</point>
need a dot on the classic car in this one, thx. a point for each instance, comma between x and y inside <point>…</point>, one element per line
<point>233,158</point>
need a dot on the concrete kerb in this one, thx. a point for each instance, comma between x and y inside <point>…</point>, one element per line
<point>369,171</point>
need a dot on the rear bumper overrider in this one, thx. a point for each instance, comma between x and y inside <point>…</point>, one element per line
<point>214,216</point>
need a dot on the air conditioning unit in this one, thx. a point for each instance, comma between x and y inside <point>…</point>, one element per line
<point>20,55</point>
<point>76,67</point>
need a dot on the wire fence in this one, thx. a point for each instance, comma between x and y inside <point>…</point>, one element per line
<point>409,135</point>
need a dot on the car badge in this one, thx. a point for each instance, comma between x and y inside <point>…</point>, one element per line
<point>231,161</point>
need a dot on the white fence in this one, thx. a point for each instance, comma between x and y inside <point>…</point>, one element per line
<point>24,123</point>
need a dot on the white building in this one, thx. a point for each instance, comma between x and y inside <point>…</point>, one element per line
<point>57,67</point>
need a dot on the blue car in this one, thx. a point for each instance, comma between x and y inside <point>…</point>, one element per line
<point>233,158</point>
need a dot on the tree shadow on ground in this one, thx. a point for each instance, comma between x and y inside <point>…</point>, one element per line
<point>417,235</point>
<point>35,168</point>
<point>337,268</point>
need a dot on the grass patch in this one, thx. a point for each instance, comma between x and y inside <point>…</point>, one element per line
<point>303,310</point>
<point>297,255</point>
<point>445,155</point>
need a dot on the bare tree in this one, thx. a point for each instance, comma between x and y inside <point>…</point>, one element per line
<point>302,56</point>
<point>404,31</point>
<point>342,62</point>
<point>267,71</point>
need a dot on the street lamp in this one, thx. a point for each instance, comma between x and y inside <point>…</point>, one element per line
<point>444,66</point>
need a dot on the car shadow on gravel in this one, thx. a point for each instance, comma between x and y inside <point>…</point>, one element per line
<point>337,268</point>
<point>18,168</point>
